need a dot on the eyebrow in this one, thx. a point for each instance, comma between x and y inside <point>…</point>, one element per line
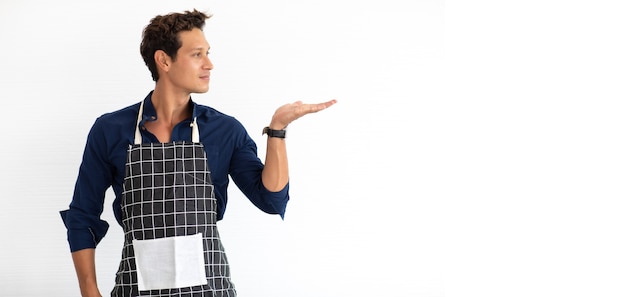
<point>200,48</point>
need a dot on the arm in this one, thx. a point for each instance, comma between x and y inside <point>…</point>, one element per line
<point>82,220</point>
<point>276,172</point>
<point>85,265</point>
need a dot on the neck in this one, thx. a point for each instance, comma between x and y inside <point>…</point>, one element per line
<point>171,107</point>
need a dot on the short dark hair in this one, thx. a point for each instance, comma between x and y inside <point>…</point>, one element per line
<point>162,34</point>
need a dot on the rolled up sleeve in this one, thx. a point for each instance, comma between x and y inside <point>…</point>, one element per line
<point>82,220</point>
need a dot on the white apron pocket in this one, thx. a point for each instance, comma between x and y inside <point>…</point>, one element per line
<point>171,262</point>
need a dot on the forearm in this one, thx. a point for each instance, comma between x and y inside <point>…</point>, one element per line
<point>85,265</point>
<point>276,172</point>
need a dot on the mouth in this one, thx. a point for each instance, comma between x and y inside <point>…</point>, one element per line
<point>205,77</point>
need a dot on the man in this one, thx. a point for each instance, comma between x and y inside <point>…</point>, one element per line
<point>167,159</point>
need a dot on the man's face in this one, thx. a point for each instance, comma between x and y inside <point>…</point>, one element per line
<point>192,69</point>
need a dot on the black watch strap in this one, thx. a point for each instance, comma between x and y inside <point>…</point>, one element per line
<point>274,133</point>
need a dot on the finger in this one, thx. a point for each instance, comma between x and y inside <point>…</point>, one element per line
<point>321,106</point>
<point>329,103</point>
<point>311,108</point>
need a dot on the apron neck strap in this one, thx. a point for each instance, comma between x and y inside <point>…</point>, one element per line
<point>195,133</point>
<point>139,117</point>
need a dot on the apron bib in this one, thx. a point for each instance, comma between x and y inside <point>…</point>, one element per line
<point>171,243</point>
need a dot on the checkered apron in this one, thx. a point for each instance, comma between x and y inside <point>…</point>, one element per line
<point>168,199</point>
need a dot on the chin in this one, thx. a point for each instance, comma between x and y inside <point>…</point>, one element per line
<point>201,90</point>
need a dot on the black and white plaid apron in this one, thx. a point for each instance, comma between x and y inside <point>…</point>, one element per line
<point>168,205</point>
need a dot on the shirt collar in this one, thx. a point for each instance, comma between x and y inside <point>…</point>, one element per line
<point>149,113</point>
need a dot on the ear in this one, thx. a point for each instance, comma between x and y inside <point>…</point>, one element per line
<point>162,60</point>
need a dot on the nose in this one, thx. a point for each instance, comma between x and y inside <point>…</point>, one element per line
<point>207,63</point>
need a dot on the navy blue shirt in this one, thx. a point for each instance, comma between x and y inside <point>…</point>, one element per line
<point>229,150</point>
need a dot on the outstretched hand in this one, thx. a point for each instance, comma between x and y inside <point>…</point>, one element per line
<point>288,113</point>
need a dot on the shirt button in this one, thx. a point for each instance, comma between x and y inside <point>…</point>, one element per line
<point>143,128</point>
<point>153,118</point>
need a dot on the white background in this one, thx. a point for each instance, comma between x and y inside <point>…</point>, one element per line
<point>477,148</point>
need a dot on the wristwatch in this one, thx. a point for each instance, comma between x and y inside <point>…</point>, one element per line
<point>275,133</point>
